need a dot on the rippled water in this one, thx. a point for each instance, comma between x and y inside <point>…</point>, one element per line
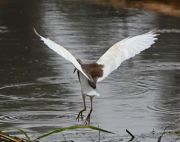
<point>38,90</point>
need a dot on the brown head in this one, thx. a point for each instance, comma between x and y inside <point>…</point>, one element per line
<point>93,70</point>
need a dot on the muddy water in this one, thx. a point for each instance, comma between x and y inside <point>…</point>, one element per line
<point>39,92</point>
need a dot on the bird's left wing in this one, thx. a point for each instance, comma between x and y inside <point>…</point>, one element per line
<point>63,52</point>
<point>124,50</point>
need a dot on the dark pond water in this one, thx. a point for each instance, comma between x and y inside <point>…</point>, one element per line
<point>38,90</point>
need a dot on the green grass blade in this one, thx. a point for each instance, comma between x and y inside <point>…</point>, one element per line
<point>72,128</point>
<point>6,137</point>
<point>175,132</point>
<point>20,130</point>
<point>25,134</point>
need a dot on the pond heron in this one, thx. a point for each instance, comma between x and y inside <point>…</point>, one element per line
<point>91,73</point>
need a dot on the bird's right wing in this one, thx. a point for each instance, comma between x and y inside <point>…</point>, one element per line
<point>124,50</point>
<point>63,52</point>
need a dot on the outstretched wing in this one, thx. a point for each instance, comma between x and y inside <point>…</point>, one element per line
<point>124,50</point>
<point>63,52</point>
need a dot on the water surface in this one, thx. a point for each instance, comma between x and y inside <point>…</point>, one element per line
<point>38,90</point>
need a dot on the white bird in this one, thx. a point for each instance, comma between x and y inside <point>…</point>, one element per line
<point>90,74</point>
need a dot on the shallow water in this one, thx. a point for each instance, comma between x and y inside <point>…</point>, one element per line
<point>38,90</point>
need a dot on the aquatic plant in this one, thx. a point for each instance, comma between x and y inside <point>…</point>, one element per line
<point>5,137</point>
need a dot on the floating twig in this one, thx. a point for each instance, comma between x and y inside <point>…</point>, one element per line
<point>132,136</point>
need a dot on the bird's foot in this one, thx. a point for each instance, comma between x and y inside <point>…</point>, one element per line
<point>88,119</point>
<point>80,115</point>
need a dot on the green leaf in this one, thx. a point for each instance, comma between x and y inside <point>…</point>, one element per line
<point>59,130</point>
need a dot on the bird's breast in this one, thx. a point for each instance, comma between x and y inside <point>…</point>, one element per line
<point>86,88</point>
<point>85,83</point>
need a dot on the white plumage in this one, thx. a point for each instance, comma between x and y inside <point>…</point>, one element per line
<point>86,88</point>
<point>63,52</point>
<point>124,50</point>
<point>89,74</point>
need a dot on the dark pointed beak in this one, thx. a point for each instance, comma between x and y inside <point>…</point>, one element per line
<point>74,70</point>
